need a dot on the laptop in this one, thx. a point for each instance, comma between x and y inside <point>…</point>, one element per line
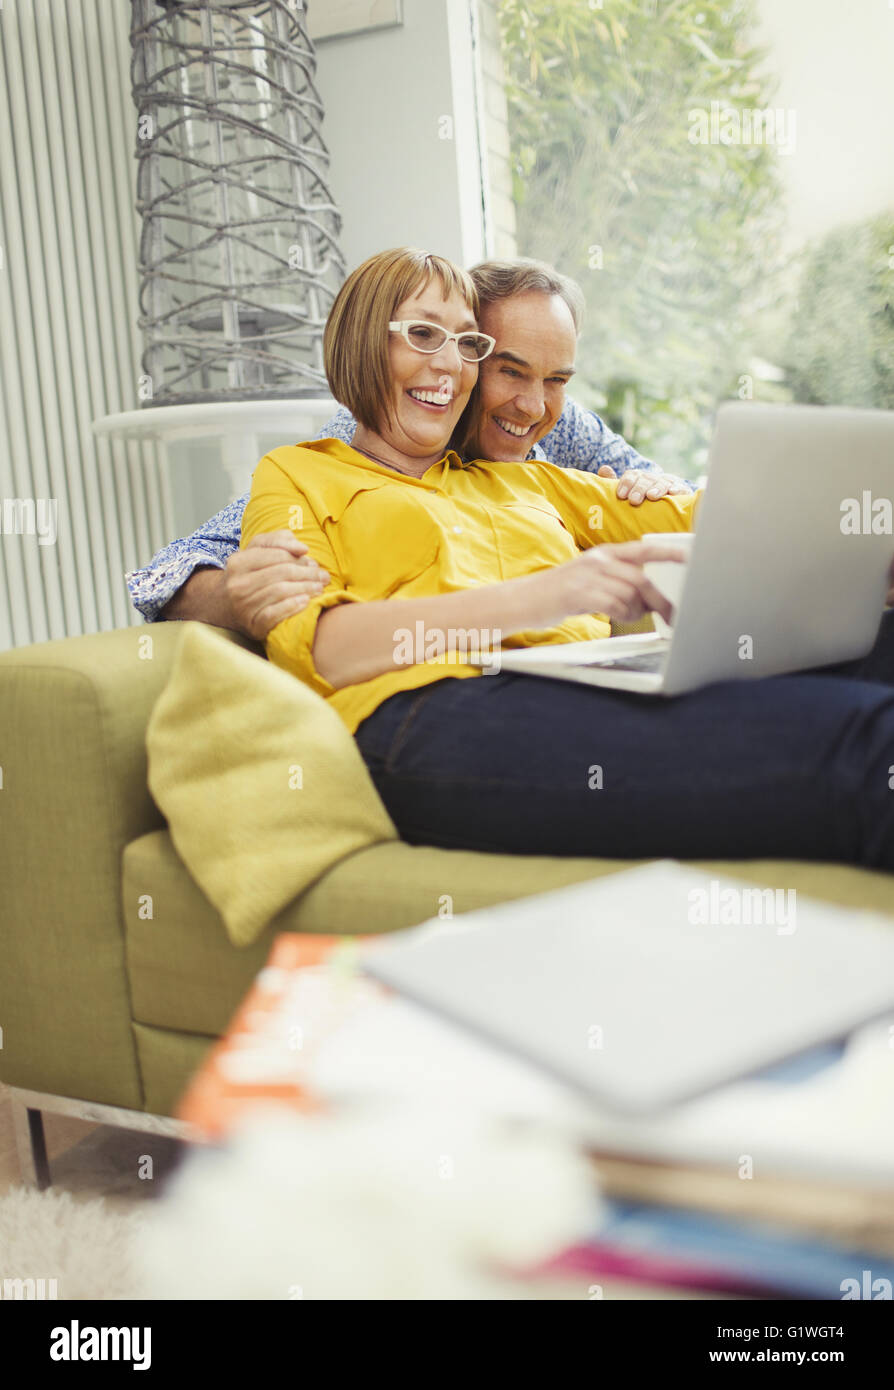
<point>652,986</point>
<point>789,562</point>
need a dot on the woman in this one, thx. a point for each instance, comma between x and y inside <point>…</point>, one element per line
<point>413,541</point>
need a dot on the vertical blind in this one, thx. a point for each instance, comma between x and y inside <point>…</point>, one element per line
<point>69,347</point>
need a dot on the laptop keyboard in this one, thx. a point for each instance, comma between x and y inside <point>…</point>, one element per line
<point>637,661</point>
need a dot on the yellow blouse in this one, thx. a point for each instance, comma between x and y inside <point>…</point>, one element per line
<point>382,535</point>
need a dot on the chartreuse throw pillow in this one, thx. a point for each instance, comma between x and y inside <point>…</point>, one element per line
<point>262,785</point>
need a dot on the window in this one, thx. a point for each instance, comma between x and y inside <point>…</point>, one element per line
<point>717,175</point>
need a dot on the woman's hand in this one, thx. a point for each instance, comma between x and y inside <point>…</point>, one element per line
<point>636,485</point>
<point>610,579</point>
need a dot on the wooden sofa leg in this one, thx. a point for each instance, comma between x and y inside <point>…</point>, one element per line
<point>30,1143</point>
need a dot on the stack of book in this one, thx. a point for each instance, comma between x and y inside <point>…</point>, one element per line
<point>779,1185</point>
<point>782,1185</point>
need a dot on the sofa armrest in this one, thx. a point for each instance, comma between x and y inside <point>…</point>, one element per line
<point>73,718</point>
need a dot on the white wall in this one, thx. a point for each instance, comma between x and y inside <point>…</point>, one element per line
<point>386,94</point>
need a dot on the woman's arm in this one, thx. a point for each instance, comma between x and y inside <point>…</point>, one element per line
<point>340,640</point>
<point>356,641</point>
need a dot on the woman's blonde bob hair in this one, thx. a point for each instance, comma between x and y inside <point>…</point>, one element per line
<point>355,342</point>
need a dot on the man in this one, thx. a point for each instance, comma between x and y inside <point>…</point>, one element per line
<point>534,314</point>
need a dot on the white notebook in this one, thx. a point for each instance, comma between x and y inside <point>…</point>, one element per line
<point>652,986</point>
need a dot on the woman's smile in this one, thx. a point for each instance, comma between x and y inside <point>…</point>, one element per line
<point>436,398</point>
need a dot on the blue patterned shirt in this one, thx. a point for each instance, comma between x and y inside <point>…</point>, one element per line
<point>579,440</point>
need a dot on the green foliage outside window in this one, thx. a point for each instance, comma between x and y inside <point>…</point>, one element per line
<point>678,244</point>
<point>839,349</point>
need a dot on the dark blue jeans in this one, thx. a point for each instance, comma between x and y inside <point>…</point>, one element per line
<point>791,767</point>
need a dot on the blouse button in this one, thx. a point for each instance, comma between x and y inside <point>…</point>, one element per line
<point>457,530</point>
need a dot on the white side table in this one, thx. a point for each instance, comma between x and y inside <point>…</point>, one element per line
<point>238,425</point>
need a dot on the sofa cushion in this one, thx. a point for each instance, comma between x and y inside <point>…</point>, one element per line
<point>262,785</point>
<point>184,973</point>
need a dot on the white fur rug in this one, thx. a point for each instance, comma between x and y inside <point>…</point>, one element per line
<point>87,1247</point>
<point>362,1205</point>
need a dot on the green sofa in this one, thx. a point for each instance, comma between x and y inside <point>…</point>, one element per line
<point>106,1012</point>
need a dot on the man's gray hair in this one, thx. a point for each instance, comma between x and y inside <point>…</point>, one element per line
<point>500,279</point>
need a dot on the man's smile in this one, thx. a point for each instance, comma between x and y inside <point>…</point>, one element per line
<point>511,427</point>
